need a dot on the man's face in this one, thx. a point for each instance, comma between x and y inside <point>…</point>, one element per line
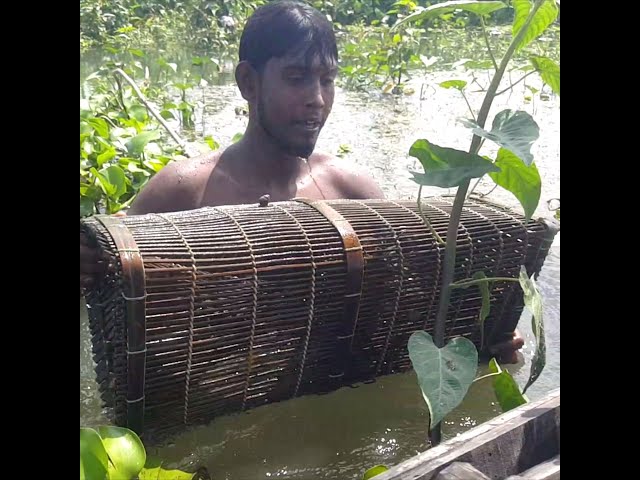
<point>294,101</point>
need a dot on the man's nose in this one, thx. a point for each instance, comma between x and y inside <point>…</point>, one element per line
<point>314,95</point>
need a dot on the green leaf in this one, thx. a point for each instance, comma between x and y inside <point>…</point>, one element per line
<point>515,131</point>
<point>106,156</point>
<point>447,167</point>
<point>373,471</point>
<point>136,52</point>
<point>126,453</point>
<point>432,11</point>
<point>544,17</point>
<point>213,145</point>
<point>138,112</point>
<point>100,126</point>
<point>86,207</point>
<point>112,179</point>
<point>524,182</point>
<point>506,389</point>
<point>237,137</point>
<point>533,301</point>
<point>136,144</point>
<point>153,471</point>
<point>93,456</point>
<point>444,374</point>
<point>549,71</point>
<point>457,84</point>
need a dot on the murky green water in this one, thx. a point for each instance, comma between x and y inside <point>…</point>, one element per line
<point>339,435</point>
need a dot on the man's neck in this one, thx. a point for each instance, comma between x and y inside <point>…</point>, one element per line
<point>260,158</point>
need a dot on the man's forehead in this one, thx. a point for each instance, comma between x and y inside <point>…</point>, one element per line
<point>301,59</point>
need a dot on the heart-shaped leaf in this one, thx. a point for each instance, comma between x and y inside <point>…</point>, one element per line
<point>515,131</point>
<point>533,301</point>
<point>126,453</point>
<point>506,389</point>
<point>544,17</point>
<point>444,374</point>
<point>447,167</point>
<point>524,182</point>
<point>549,71</point>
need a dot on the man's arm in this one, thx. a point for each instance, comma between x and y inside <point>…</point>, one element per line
<point>353,181</point>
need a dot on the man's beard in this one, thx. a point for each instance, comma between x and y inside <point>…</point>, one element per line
<point>303,151</point>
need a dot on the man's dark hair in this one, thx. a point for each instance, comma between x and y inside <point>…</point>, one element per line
<point>283,27</point>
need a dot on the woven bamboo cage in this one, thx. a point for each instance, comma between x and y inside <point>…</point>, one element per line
<point>220,310</point>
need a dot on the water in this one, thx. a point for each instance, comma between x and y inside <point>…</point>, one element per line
<point>341,434</point>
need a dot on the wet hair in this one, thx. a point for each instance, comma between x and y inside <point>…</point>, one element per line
<point>282,27</point>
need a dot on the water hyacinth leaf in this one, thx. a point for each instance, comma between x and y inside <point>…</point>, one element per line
<point>93,456</point>
<point>126,453</point>
<point>374,471</point>
<point>136,145</point>
<point>505,387</point>
<point>139,112</point>
<point>549,72</point>
<point>86,207</point>
<point>112,180</point>
<point>544,17</point>
<point>447,167</point>
<point>444,374</point>
<point>514,130</point>
<point>457,84</point>
<point>524,182</point>
<point>432,11</point>
<point>107,155</point>
<point>533,301</point>
<point>100,126</point>
<point>153,471</point>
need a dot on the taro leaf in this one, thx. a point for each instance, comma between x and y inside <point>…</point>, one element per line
<point>93,456</point>
<point>447,167</point>
<point>524,182</point>
<point>136,144</point>
<point>544,17</point>
<point>549,71</point>
<point>515,131</point>
<point>533,301</point>
<point>457,84</point>
<point>506,389</point>
<point>444,374</point>
<point>373,471</point>
<point>126,453</point>
<point>432,11</point>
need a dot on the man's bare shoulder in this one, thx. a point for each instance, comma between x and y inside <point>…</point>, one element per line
<point>351,179</point>
<point>178,186</point>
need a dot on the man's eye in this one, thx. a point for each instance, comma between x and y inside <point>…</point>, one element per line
<point>328,81</point>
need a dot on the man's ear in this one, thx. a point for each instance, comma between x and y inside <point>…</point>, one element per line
<point>247,81</point>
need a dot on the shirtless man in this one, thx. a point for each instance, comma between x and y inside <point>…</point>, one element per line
<point>288,64</point>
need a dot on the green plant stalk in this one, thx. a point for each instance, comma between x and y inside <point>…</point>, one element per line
<point>469,283</point>
<point>433,231</point>
<point>458,203</point>
<point>150,107</point>
<point>486,40</point>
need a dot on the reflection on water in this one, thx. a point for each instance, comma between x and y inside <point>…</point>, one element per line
<point>339,435</point>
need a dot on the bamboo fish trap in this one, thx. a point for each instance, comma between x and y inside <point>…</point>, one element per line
<point>220,310</point>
